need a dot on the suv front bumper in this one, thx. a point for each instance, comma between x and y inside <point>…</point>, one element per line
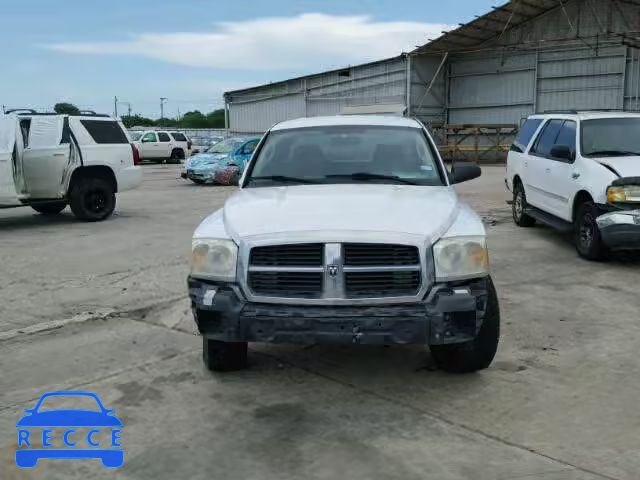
<point>620,230</point>
<point>449,314</point>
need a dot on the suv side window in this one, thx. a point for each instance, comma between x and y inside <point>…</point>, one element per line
<point>149,137</point>
<point>547,138</point>
<point>567,135</point>
<point>103,131</point>
<point>525,134</point>
<point>179,137</point>
<point>164,137</point>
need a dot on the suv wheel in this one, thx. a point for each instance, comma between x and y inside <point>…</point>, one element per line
<point>92,199</point>
<point>224,356</point>
<point>587,234</point>
<point>518,207</point>
<point>50,208</point>
<point>176,155</point>
<point>478,353</point>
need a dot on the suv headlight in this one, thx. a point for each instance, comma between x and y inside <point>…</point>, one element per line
<point>626,194</point>
<point>460,258</point>
<point>214,259</point>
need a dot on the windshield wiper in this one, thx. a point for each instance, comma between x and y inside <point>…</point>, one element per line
<point>373,176</point>
<point>613,153</point>
<point>284,179</point>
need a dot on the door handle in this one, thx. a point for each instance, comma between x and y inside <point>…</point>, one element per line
<point>575,175</point>
<point>548,170</point>
<point>58,154</point>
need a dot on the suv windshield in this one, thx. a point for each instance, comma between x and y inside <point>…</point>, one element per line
<point>346,154</point>
<point>224,147</point>
<point>611,137</point>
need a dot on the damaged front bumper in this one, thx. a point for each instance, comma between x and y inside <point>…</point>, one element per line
<point>620,230</point>
<point>448,315</point>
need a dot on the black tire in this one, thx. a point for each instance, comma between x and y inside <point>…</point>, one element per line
<point>587,237</point>
<point>518,207</point>
<point>478,353</point>
<point>50,208</point>
<point>177,154</point>
<point>224,356</point>
<point>92,199</point>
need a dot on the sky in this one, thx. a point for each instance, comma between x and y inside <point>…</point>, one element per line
<point>192,51</point>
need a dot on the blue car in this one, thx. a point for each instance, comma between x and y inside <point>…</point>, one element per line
<point>34,420</point>
<point>232,152</point>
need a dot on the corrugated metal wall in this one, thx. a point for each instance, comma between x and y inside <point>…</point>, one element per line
<point>258,109</point>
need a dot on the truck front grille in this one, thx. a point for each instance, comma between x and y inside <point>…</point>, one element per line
<point>334,271</point>
<point>369,254</point>
<point>382,284</point>
<point>286,284</point>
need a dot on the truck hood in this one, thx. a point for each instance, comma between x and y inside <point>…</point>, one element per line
<point>427,212</point>
<point>625,166</point>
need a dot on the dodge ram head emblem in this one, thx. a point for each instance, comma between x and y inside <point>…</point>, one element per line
<point>332,270</point>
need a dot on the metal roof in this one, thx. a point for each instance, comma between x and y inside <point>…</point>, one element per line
<point>491,24</point>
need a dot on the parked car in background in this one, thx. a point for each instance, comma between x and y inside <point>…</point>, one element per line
<point>579,172</point>
<point>202,144</point>
<point>49,161</point>
<point>161,145</point>
<point>232,152</point>
<point>135,136</point>
<point>346,230</point>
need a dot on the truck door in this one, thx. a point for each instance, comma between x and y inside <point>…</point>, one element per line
<point>539,169</point>
<point>45,157</point>
<point>150,147</point>
<point>9,150</point>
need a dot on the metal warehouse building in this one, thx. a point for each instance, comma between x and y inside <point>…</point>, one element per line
<point>475,84</point>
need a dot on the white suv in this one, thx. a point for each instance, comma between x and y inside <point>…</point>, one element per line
<point>579,172</point>
<point>163,145</point>
<point>49,161</point>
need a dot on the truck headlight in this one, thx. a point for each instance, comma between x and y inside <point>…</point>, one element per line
<point>214,259</point>
<point>625,194</point>
<point>460,258</point>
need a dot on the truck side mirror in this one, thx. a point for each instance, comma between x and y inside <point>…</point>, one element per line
<point>463,172</point>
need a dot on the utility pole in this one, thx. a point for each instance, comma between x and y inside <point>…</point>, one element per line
<point>115,107</point>
<point>162,100</point>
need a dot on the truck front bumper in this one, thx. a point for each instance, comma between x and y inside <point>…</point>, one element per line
<point>620,230</point>
<point>449,314</point>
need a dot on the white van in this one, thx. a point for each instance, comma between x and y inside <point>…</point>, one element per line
<point>49,161</point>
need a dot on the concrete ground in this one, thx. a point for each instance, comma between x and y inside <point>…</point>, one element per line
<point>102,308</point>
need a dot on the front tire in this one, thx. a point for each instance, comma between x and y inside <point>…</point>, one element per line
<point>224,356</point>
<point>588,241</point>
<point>50,208</point>
<point>518,207</point>
<point>92,199</point>
<point>479,353</point>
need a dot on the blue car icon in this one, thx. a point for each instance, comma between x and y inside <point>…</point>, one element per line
<point>69,418</point>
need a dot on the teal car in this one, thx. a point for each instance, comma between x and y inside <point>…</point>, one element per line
<point>232,153</point>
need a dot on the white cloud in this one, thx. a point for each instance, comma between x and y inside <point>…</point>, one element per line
<point>308,40</point>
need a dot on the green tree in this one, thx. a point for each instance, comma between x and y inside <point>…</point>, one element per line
<point>194,119</point>
<point>66,108</point>
<point>215,119</point>
<point>137,121</point>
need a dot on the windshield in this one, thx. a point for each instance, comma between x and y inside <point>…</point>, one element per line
<point>611,137</point>
<point>226,146</point>
<point>346,154</point>
<point>135,136</point>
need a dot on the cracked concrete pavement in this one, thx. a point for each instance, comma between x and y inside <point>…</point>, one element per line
<point>102,307</point>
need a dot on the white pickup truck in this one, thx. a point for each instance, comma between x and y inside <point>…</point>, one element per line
<point>49,161</point>
<point>346,230</point>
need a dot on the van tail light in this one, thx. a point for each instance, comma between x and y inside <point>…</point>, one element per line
<point>136,154</point>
